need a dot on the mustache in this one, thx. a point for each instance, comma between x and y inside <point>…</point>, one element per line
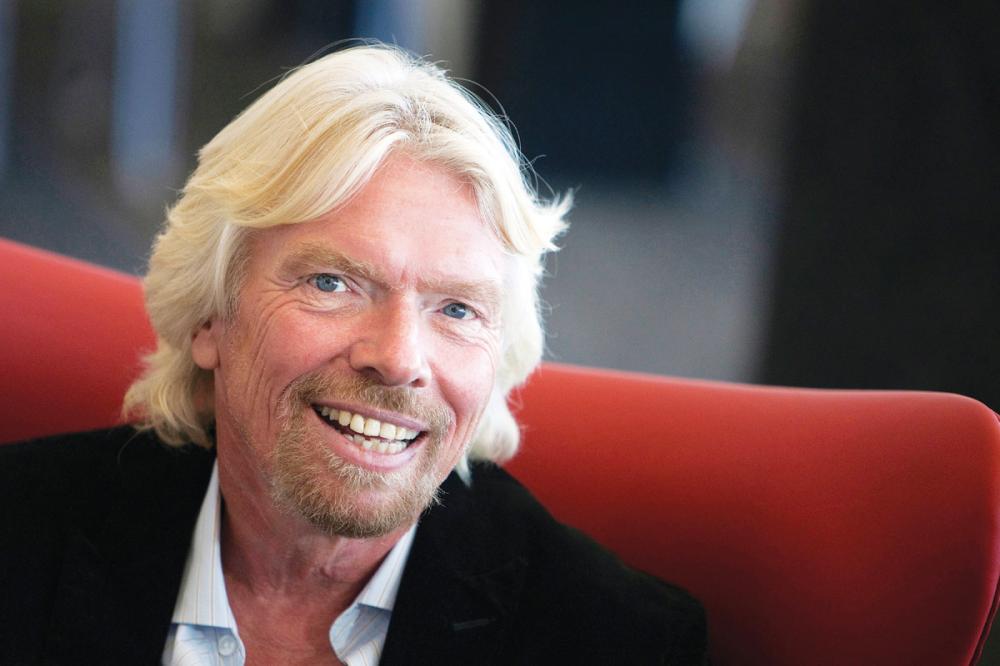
<point>313,387</point>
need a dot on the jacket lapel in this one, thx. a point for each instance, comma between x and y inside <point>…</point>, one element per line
<point>119,580</point>
<point>460,589</point>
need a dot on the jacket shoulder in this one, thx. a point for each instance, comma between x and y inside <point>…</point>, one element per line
<point>63,464</point>
<point>65,482</point>
<point>33,470</point>
<point>74,503</point>
<point>581,596</point>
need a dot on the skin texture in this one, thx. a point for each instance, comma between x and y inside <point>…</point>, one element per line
<point>389,307</point>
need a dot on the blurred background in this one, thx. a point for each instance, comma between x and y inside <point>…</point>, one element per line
<point>777,191</point>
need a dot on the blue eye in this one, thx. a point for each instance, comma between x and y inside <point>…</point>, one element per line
<point>458,311</point>
<point>329,283</point>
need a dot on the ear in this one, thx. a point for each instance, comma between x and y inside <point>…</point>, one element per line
<point>205,346</point>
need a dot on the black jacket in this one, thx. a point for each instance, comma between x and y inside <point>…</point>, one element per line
<point>97,528</point>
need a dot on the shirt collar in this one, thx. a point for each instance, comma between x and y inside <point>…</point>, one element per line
<point>202,599</point>
<point>382,587</point>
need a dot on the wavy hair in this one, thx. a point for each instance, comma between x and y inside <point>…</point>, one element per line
<point>305,148</point>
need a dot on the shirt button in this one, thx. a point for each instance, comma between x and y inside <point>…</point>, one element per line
<point>227,645</point>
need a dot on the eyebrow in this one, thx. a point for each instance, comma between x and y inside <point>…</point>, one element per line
<point>318,257</point>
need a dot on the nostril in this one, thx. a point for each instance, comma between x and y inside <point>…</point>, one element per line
<point>390,366</point>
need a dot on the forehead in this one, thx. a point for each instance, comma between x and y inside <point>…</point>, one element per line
<point>412,222</point>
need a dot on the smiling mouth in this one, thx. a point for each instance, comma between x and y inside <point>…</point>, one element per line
<point>368,433</point>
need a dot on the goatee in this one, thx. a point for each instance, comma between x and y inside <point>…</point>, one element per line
<point>340,498</point>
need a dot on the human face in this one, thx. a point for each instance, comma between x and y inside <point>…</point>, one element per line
<point>384,315</point>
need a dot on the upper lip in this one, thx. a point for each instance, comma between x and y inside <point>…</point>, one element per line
<point>375,413</point>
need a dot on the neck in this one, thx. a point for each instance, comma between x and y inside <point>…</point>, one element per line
<point>286,580</point>
<point>271,552</point>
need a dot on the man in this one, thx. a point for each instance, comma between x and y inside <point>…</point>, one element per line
<point>344,295</point>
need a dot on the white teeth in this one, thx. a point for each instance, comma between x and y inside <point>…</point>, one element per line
<point>358,424</point>
<point>372,434</point>
<point>377,445</point>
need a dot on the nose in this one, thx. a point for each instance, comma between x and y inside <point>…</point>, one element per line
<point>391,348</point>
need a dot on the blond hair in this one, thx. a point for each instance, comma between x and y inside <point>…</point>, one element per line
<point>301,150</point>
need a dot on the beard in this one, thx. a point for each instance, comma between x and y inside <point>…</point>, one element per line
<point>340,498</point>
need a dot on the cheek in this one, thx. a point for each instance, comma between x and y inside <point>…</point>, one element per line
<point>467,377</point>
<point>263,361</point>
<point>303,337</point>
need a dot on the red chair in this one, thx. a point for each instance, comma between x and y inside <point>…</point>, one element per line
<point>817,527</point>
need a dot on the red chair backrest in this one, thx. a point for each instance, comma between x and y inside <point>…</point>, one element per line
<point>817,527</point>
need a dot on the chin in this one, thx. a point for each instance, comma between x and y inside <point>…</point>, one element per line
<point>342,499</point>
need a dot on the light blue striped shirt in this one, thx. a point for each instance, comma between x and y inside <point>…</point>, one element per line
<point>204,632</point>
